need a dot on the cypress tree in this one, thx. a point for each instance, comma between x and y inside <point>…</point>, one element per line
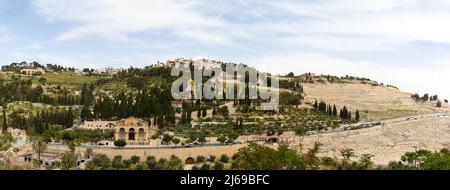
<point>357,117</point>
<point>83,94</point>
<point>344,114</point>
<point>204,113</point>
<point>183,113</point>
<point>189,113</point>
<point>5,123</point>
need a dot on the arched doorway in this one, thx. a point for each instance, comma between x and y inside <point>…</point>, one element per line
<point>141,134</point>
<point>122,133</point>
<point>131,135</point>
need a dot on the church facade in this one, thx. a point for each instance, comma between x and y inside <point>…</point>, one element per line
<point>134,131</point>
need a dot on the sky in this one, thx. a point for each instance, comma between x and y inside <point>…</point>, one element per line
<point>405,43</point>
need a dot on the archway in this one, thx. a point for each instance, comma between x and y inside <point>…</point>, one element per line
<point>141,134</point>
<point>122,133</point>
<point>131,135</point>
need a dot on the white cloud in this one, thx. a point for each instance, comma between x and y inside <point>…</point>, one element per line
<point>331,8</point>
<point>350,30</point>
<point>390,21</point>
<point>206,36</point>
<point>340,43</point>
<point>117,18</point>
<point>361,25</point>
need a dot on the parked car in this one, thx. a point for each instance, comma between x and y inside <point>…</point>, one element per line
<point>309,133</point>
<point>362,126</point>
<point>348,128</point>
<point>411,118</point>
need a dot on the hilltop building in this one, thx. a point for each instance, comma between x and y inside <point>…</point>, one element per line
<point>206,63</point>
<point>173,62</point>
<point>109,71</point>
<point>32,71</point>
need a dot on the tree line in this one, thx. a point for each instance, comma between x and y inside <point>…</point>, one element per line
<point>16,67</point>
<point>39,122</point>
<point>344,113</point>
<point>18,89</point>
<point>153,104</point>
<point>424,98</point>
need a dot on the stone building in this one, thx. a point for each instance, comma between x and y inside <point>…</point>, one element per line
<point>32,71</point>
<point>134,131</point>
<point>102,125</point>
<point>207,63</point>
<point>181,61</point>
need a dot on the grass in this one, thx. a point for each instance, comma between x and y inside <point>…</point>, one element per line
<point>61,78</point>
<point>68,78</point>
<point>26,108</point>
<point>116,86</point>
<point>372,115</point>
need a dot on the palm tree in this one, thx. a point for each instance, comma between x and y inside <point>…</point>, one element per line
<point>69,160</point>
<point>39,146</point>
<point>346,154</point>
<point>300,132</point>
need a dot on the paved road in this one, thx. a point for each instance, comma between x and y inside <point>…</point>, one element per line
<point>391,121</point>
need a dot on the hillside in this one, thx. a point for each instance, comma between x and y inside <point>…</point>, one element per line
<point>389,142</point>
<point>429,130</point>
<point>375,102</point>
<point>312,108</point>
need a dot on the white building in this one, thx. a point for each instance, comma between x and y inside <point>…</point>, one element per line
<point>173,62</point>
<point>32,71</point>
<point>207,63</point>
<point>102,125</point>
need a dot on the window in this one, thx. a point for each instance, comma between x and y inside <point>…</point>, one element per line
<point>131,135</point>
<point>141,134</point>
<point>122,133</point>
